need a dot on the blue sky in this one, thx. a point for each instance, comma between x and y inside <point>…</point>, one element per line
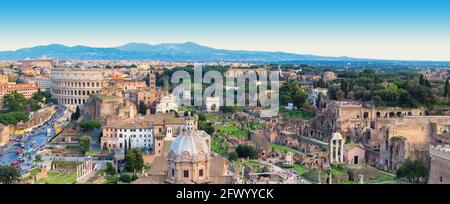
<point>396,29</point>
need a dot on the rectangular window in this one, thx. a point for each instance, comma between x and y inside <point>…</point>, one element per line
<point>200,172</point>
<point>186,173</point>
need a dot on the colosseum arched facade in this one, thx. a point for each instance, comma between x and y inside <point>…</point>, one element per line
<point>73,86</point>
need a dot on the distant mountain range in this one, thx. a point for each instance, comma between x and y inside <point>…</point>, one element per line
<point>188,51</point>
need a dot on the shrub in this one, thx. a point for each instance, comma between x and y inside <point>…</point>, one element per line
<point>110,169</point>
<point>246,151</point>
<point>125,178</point>
<point>233,156</point>
<point>90,125</point>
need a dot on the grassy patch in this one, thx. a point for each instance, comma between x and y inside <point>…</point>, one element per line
<point>255,125</point>
<point>111,180</point>
<point>35,171</point>
<point>299,114</point>
<point>91,152</point>
<point>346,182</point>
<point>147,167</point>
<point>56,178</point>
<point>338,170</point>
<point>300,169</point>
<point>230,130</point>
<point>283,149</point>
<point>218,146</point>
<point>249,164</point>
<point>382,178</point>
<point>213,117</point>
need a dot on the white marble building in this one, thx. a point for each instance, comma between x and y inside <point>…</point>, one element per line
<point>314,95</point>
<point>212,104</point>
<point>166,104</point>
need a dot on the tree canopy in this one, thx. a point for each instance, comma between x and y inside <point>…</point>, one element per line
<point>414,171</point>
<point>12,118</point>
<point>14,101</point>
<point>396,89</point>
<point>246,151</point>
<point>142,108</point>
<point>292,93</point>
<point>90,125</point>
<point>134,161</point>
<point>9,175</point>
<point>85,144</point>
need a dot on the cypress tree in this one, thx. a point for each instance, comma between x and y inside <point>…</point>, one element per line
<point>447,88</point>
<point>126,147</point>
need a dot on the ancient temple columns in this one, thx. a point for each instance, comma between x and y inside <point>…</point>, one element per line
<point>85,168</point>
<point>337,149</point>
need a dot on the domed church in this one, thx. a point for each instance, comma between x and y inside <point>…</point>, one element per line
<point>189,155</point>
<point>188,160</point>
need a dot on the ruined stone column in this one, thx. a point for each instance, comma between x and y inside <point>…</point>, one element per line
<point>336,149</point>
<point>83,171</point>
<point>342,151</point>
<point>331,152</point>
<point>330,181</point>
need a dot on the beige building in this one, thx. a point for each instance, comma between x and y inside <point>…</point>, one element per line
<point>354,154</point>
<point>26,90</point>
<point>4,135</point>
<point>74,86</point>
<point>328,76</point>
<point>127,84</point>
<point>102,107</point>
<point>136,91</point>
<point>4,79</point>
<point>43,63</point>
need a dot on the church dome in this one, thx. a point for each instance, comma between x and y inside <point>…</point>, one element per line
<point>191,142</point>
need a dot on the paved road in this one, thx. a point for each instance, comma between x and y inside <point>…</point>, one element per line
<point>38,137</point>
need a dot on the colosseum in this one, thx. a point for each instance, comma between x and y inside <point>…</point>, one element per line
<point>72,86</point>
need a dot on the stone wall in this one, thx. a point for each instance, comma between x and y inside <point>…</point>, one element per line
<point>439,166</point>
